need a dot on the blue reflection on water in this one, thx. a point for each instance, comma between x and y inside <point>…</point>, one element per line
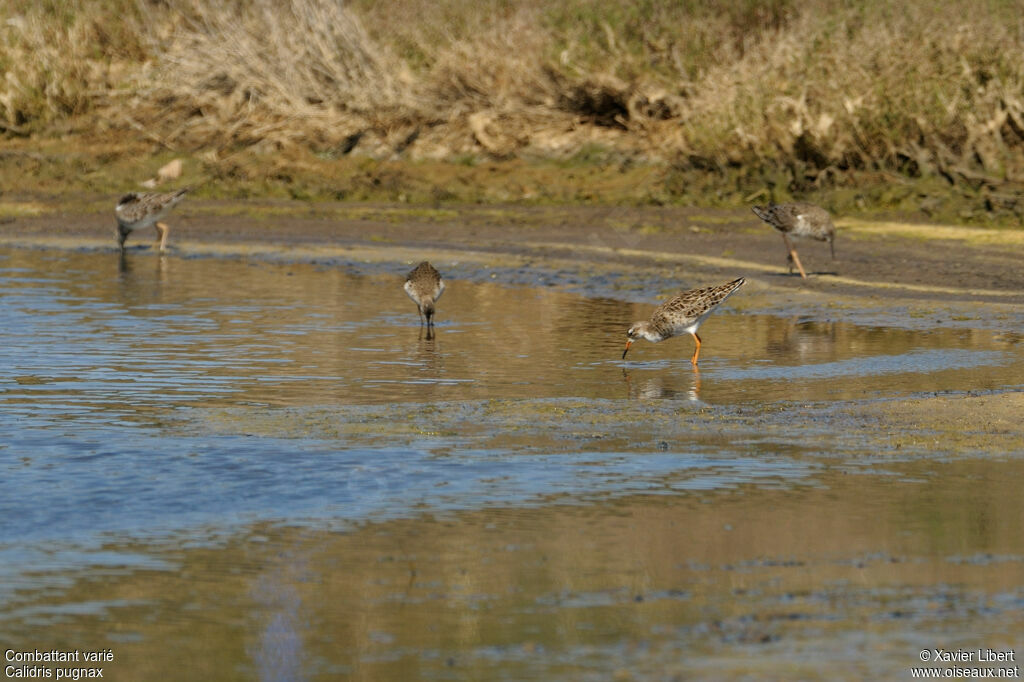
<point>143,483</point>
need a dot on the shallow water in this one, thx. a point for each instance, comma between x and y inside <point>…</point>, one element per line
<point>245,470</point>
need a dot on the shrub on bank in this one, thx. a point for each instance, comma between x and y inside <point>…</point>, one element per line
<point>812,90</point>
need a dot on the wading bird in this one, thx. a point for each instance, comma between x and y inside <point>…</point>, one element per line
<point>135,211</point>
<point>802,220</point>
<point>424,286</point>
<point>682,313</point>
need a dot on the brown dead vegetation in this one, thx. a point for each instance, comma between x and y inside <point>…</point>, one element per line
<point>799,94</point>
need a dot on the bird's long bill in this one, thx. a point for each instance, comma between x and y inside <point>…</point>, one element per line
<point>832,247</point>
<point>628,344</point>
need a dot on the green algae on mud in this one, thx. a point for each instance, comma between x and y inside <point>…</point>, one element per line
<point>985,425</point>
<point>79,174</point>
<point>947,426</point>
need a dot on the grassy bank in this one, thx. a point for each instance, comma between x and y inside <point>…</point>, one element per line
<point>914,107</point>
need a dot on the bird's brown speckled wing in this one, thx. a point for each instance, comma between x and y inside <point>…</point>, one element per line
<point>787,218</point>
<point>425,280</point>
<point>136,207</point>
<point>691,305</point>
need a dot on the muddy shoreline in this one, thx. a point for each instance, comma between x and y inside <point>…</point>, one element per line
<point>889,260</point>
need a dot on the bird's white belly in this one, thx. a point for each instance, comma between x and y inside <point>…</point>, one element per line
<point>692,328</point>
<point>143,223</point>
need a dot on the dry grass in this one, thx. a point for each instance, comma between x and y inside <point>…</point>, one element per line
<point>57,61</point>
<point>796,94</point>
<point>269,72</point>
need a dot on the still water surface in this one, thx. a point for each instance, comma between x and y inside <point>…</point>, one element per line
<point>248,470</point>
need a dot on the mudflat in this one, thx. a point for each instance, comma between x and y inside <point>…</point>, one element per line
<point>874,258</point>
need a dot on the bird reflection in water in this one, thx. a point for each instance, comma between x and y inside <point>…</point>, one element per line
<point>654,388</point>
<point>126,268</point>
<point>427,354</point>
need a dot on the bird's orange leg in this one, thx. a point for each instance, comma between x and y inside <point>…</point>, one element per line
<point>793,257</point>
<point>162,230</point>
<point>696,351</point>
<point>796,259</point>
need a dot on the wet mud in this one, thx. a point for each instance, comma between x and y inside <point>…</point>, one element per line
<point>246,459</point>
